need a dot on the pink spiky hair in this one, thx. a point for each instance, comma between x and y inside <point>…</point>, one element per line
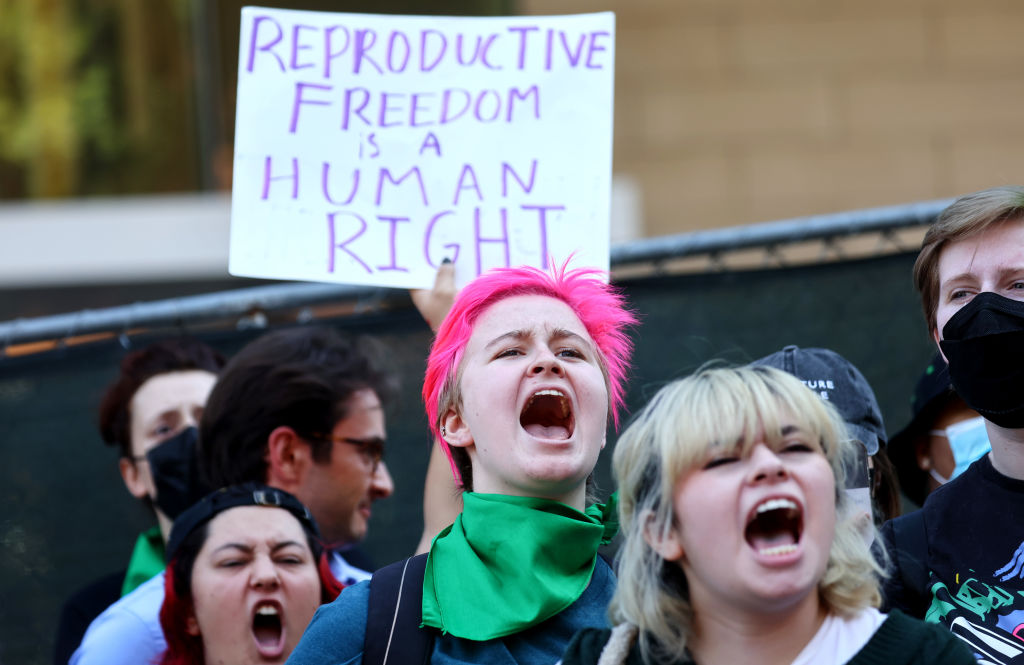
<point>600,307</point>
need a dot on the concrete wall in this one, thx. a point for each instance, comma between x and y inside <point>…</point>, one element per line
<point>736,111</point>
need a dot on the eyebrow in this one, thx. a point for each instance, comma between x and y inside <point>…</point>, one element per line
<point>249,548</point>
<point>958,278</point>
<point>520,335</point>
<point>515,335</point>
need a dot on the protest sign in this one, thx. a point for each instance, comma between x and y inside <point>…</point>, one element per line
<point>368,148</point>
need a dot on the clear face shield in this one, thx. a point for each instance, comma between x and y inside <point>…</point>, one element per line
<point>859,480</point>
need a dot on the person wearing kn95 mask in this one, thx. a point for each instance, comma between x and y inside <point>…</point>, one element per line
<point>959,561</point>
<point>151,412</point>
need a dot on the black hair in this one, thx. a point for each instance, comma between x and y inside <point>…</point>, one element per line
<point>171,355</point>
<point>301,378</point>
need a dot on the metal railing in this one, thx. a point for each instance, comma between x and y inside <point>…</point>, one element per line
<point>190,310</point>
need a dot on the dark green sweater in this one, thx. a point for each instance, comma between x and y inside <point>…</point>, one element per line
<point>900,640</point>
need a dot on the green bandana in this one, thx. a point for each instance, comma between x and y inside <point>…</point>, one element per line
<point>147,559</point>
<point>509,562</point>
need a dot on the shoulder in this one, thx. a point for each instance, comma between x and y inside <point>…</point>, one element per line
<point>79,610</point>
<point>128,629</point>
<point>602,582</point>
<point>585,646</point>
<point>905,640</point>
<point>345,569</point>
<point>336,633</point>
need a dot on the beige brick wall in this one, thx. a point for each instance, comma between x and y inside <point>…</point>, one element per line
<point>736,111</point>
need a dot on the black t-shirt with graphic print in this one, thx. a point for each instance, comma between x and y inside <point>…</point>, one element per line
<point>972,577</point>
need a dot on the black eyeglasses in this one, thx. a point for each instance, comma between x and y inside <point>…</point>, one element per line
<point>372,449</point>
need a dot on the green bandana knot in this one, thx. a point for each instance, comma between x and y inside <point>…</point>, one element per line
<point>509,563</point>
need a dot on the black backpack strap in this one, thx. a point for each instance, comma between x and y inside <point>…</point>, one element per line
<point>393,633</point>
<point>910,549</point>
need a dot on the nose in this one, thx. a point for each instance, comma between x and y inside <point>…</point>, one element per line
<point>766,466</point>
<point>381,485</point>
<point>191,417</point>
<point>547,362</point>
<point>264,573</point>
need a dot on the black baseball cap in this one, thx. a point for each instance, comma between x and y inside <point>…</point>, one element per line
<point>932,392</point>
<point>838,381</point>
<point>245,494</point>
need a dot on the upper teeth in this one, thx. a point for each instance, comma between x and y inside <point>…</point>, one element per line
<point>266,609</point>
<point>564,403</point>
<point>776,504</point>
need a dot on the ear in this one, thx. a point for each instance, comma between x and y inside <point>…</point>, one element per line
<point>922,454</point>
<point>191,625</point>
<point>457,432</point>
<point>667,545</point>
<point>288,459</point>
<point>130,475</point>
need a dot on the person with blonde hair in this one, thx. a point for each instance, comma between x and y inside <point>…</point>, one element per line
<point>730,484</point>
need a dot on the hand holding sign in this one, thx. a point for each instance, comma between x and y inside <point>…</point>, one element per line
<point>369,148</point>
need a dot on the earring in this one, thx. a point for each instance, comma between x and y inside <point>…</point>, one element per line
<point>444,432</point>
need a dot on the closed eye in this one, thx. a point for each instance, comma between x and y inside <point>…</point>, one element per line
<point>231,563</point>
<point>798,447</point>
<point>719,461</point>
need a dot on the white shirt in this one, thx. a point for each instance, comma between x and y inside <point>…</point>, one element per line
<point>838,640</point>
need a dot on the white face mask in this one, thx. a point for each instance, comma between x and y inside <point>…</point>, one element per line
<point>968,440</point>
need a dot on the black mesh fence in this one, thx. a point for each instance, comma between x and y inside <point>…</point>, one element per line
<point>65,517</point>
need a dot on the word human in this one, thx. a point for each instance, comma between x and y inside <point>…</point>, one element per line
<point>339,50</point>
<point>353,234</point>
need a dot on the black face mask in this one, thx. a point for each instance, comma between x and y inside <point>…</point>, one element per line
<point>175,468</point>
<point>984,344</point>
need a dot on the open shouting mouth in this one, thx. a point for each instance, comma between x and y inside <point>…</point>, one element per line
<point>774,527</point>
<point>548,415</point>
<point>268,629</point>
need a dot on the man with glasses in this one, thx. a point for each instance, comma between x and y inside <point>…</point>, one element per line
<point>301,410</point>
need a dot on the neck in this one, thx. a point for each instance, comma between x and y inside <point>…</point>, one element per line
<point>164,522</point>
<point>577,497</point>
<point>1007,450</point>
<point>728,636</point>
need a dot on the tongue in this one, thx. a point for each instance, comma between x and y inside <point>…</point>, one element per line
<point>547,431</point>
<point>766,541</point>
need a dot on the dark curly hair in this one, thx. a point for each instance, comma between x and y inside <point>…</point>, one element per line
<point>170,355</point>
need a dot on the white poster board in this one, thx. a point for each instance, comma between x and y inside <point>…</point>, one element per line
<point>368,147</point>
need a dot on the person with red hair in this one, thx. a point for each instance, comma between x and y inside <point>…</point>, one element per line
<point>522,380</point>
<point>247,570</point>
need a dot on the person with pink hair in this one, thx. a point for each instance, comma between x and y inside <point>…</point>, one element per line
<point>523,377</point>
